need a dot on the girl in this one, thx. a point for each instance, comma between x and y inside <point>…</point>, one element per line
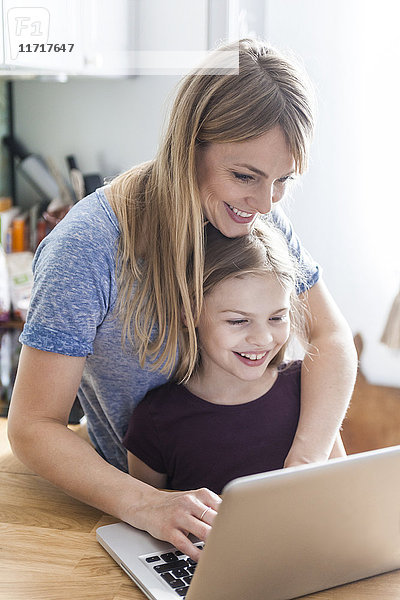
<point>238,413</point>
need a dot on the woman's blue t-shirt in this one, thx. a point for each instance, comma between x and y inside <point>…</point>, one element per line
<point>72,312</point>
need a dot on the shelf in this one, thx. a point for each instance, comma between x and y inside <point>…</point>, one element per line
<point>12,324</point>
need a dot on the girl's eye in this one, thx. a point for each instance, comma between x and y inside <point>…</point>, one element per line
<point>236,321</point>
<point>243,177</point>
<point>279,319</point>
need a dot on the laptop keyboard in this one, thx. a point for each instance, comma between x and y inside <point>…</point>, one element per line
<point>174,568</point>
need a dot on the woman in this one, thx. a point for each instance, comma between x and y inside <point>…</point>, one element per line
<point>112,281</point>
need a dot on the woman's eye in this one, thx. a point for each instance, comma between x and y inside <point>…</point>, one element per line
<point>286,179</point>
<point>236,321</point>
<point>243,177</point>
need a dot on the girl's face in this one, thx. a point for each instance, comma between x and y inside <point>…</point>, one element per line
<point>239,180</point>
<point>243,325</point>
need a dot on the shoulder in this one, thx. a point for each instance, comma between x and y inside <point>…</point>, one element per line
<point>290,370</point>
<point>279,218</point>
<point>88,235</point>
<point>290,366</point>
<point>309,269</point>
<point>74,280</point>
<point>90,223</point>
<point>92,212</point>
<point>160,398</point>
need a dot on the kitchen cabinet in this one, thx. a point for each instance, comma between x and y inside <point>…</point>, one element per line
<point>108,37</point>
<point>1,41</point>
<point>172,36</point>
<point>44,38</point>
<point>67,37</point>
<point>118,38</point>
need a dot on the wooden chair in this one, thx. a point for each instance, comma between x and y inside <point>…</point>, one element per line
<point>373,419</point>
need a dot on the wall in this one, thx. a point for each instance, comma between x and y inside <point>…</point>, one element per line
<point>346,208</point>
<point>109,125</point>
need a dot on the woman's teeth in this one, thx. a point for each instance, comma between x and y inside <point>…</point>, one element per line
<point>253,356</point>
<point>240,213</point>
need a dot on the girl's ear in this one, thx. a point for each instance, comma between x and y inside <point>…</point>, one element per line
<point>184,319</point>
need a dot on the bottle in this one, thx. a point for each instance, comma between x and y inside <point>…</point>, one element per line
<point>41,231</point>
<point>19,234</point>
<point>5,301</point>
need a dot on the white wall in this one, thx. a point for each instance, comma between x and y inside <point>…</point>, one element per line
<point>109,125</point>
<point>346,209</point>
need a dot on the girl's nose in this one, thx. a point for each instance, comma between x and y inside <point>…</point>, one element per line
<point>260,336</point>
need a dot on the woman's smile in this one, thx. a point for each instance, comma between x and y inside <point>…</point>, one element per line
<point>240,180</point>
<point>240,216</point>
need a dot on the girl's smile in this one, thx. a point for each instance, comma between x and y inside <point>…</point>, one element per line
<point>251,359</point>
<point>243,325</point>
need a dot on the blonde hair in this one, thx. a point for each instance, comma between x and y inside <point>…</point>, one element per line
<point>263,251</point>
<point>158,206</point>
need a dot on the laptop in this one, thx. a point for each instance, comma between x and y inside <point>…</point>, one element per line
<point>279,535</point>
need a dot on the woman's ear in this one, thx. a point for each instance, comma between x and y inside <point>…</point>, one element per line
<point>183,317</point>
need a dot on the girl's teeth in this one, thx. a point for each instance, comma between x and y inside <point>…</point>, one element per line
<point>253,356</point>
<point>240,213</point>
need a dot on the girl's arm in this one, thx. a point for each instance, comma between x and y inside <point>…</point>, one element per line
<point>44,391</point>
<point>141,471</point>
<point>327,380</point>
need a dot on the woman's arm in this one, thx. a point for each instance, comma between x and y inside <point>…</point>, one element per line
<point>327,380</point>
<point>338,450</point>
<point>139,470</point>
<point>44,391</point>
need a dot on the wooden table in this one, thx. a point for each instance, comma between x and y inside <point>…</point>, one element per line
<point>48,549</point>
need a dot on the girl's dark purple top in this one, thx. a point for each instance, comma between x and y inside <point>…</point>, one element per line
<point>201,444</point>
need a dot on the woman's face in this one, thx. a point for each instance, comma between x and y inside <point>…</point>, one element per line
<point>240,180</point>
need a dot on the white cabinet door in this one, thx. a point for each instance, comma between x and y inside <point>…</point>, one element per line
<point>140,37</point>
<point>108,37</point>
<point>172,37</point>
<point>1,39</point>
<point>75,37</point>
<point>42,36</point>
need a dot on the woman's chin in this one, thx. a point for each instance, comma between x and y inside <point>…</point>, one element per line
<point>230,229</point>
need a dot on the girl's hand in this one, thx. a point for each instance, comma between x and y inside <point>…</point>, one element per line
<point>172,516</point>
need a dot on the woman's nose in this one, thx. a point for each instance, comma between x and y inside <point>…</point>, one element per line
<point>265,199</point>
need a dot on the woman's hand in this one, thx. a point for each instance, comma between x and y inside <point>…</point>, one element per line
<point>44,392</point>
<point>172,516</point>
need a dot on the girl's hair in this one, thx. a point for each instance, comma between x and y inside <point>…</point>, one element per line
<point>158,205</point>
<point>264,251</point>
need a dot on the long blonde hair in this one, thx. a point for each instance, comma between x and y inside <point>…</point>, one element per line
<point>264,251</point>
<point>158,206</point>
